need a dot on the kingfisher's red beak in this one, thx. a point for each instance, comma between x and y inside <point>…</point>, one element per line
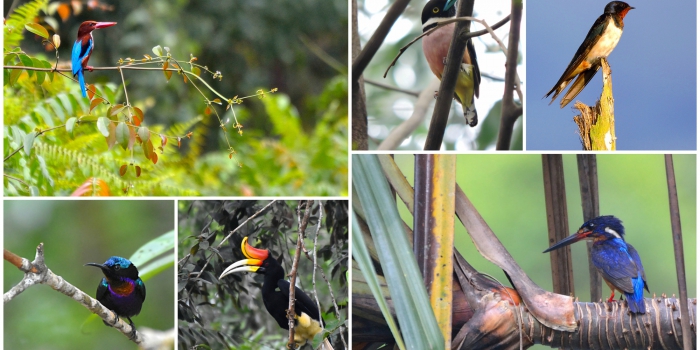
<point>99,25</point>
<point>581,234</point>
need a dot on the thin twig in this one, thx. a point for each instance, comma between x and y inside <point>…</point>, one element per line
<point>295,265</point>
<point>442,24</point>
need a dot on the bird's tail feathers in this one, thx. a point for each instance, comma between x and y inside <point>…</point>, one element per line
<point>635,301</point>
<point>470,115</point>
<point>81,80</point>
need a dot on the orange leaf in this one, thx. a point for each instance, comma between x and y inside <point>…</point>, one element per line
<point>179,142</point>
<point>154,157</point>
<point>147,149</point>
<point>122,170</point>
<point>139,115</point>
<point>207,111</point>
<point>91,91</point>
<point>138,171</point>
<point>163,140</point>
<point>63,11</point>
<point>92,186</point>
<point>94,103</point>
<point>112,138</point>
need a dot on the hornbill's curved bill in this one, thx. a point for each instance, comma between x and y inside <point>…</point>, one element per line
<point>275,293</point>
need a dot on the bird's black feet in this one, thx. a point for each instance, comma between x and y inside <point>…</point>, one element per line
<point>132,335</point>
<point>116,319</point>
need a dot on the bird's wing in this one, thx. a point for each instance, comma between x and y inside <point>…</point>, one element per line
<point>578,85</point>
<point>302,302</point>
<point>592,36</point>
<point>617,266</point>
<point>102,289</point>
<point>638,261</point>
<point>75,56</point>
<point>470,56</point>
<point>141,289</point>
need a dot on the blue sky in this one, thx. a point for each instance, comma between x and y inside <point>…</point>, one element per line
<point>654,73</point>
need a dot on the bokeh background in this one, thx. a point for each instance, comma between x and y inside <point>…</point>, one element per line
<point>654,73</point>
<point>75,233</point>
<point>294,141</point>
<point>508,192</point>
<point>387,109</point>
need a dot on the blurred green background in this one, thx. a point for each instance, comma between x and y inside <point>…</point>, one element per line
<point>75,233</point>
<point>508,192</point>
<point>294,141</point>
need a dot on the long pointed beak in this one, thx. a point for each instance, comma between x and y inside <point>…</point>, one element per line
<point>99,25</point>
<point>245,265</point>
<point>94,264</point>
<point>569,240</point>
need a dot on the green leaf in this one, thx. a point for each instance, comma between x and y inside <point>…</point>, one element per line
<point>157,50</point>
<point>364,261</point>
<point>153,249</point>
<point>40,76</point>
<point>144,134</point>
<point>27,62</point>
<point>103,125</point>
<point>37,29</point>
<point>123,135</point>
<point>418,324</point>
<point>29,142</point>
<point>70,123</point>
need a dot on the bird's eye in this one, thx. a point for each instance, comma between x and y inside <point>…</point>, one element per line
<point>117,267</point>
<point>436,10</point>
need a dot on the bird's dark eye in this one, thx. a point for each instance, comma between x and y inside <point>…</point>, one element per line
<point>436,9</point>
<point>117,267</point>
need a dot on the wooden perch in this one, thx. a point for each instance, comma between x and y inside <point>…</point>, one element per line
<point>597,124</point>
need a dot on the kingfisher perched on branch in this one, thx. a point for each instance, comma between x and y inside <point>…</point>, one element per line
<point>275,293</point>
<point>121,290</point>
<point>616,260</point>
<point>82,49</point>
<point>436,46</point>
<point>599,43</point>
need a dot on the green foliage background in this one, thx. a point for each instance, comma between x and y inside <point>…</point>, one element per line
<point>75,233</point>
<point>508,192</point>
<point>294,142</point>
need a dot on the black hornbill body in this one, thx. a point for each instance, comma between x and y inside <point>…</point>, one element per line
<point>275,293</point>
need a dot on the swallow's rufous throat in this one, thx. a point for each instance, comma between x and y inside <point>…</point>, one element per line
<point>435,47</point>
<point>599,43</point>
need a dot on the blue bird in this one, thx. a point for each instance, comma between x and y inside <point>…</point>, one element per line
<point>616,260</point>
<point>121,290</point>
<point>82,49</point>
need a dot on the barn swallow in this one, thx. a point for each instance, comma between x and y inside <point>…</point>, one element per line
<point>435,48</point>
<point>599,43</point>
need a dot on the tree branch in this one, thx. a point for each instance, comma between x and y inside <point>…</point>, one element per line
<point>36,272</point>
<point>510,111</point>
<point>372,46</point>
<point>295,264</point>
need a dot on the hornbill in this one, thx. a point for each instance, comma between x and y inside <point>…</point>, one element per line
<point>275,293</point>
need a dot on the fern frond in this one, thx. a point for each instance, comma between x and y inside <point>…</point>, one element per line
<point>14,26</point>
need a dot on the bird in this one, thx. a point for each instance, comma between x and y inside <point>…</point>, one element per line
<point>435,48</point>
<point>275,293</point>
<point>121,290</point>
<point>616,260</point>
<point>82,49</point>
<point>599,43</point>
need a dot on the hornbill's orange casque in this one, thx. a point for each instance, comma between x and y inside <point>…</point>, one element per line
<point>275,293</point>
